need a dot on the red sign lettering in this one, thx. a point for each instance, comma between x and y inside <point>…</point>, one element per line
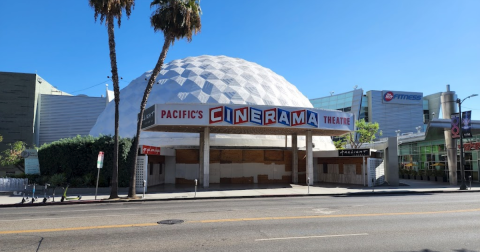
<point>150,150</point>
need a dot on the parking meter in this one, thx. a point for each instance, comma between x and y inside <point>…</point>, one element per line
<point>195,188</point>
<point>308,184</point>
<point>373,185</point>
<point>144,185</point>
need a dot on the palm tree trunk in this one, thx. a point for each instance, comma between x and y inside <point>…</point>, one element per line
<point>148,89</point>
<point>116,91</point>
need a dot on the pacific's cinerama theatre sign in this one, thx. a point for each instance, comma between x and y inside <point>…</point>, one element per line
<point>246,116</point>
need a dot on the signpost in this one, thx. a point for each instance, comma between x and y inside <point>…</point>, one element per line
<point>99,166</point>
<point>31,161</point>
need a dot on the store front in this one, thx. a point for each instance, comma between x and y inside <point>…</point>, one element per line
<point>231,164</point>
<point>430,155</point>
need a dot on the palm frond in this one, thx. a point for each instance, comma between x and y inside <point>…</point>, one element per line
<point>103,8</point>
<point>177,19</point>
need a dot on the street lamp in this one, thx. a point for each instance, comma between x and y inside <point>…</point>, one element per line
<point>419,129</point>
<point>463,186</point>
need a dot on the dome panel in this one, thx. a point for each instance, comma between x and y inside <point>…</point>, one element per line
<point>205,79</point>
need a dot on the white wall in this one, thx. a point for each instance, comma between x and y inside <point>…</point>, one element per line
<point>349,175</point>
<point>217,171</point>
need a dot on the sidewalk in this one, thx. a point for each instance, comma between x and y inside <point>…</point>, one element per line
<point>218,191</point>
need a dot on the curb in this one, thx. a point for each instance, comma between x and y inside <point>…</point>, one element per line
<point>353,194</point>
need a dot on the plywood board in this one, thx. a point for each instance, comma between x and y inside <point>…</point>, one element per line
<point>231,156</point>
<point>253,156</point>
<point>215,156</point>
<point>273,155</point>
<point>192,171</point>
<point>215,173</point>
<point>187,156</point>
<point>236,170</point>
<point>180,170</point>
<point>287,157</point>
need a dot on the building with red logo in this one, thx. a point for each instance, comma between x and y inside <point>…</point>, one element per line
<point>225,120</point>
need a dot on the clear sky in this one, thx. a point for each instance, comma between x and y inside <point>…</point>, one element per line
<point>318,45</point>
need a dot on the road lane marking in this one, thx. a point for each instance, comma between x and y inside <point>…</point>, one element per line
<point>69,211</point>
<point>242,219</point>
<point>82,217</point>
<point>333,216</point>
<point>308,237</point>
<point>77,228</point>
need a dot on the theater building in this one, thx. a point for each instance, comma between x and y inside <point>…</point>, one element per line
<point>225,120</point>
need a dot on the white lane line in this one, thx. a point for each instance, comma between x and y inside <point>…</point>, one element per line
<point>308,237</point>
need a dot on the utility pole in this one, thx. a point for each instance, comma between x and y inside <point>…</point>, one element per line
<point>463,186</point>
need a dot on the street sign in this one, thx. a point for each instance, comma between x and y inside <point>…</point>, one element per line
<point>354,153</point>
<point>99,165</point>
<point>149,150</point>
<point>100,160</point>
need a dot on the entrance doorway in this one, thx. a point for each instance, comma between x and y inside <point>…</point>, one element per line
<point>156,170</point>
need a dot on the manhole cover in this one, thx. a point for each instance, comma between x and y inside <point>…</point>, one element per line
<point>170,222</point>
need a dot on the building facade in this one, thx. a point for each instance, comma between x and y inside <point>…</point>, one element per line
<point>396,112</point>
<point>35,112</point>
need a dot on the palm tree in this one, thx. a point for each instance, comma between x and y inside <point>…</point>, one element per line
<point>108,10</point>
<point>177,19</point>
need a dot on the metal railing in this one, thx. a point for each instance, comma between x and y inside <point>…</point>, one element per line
<point>12,184</point>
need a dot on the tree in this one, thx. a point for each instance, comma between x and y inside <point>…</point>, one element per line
<point>108,10</point>
<point>13,156</point>
<point>1,138</point>
<point>340,143</point>
<point>365,133</point>
<point>177,19</point>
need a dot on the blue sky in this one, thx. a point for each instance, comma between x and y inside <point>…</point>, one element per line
<point>319,46</point>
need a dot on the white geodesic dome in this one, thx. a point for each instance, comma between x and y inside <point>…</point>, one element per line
<point>206,79</point>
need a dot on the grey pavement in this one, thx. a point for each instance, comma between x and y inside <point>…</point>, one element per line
<point>182,191</point>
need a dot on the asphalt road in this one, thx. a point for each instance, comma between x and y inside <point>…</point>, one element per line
<point>415,222</point>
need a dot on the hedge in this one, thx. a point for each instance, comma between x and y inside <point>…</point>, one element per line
<point>76,159</point>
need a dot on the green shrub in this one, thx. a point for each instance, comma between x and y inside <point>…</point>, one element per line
<point>76,158</point>
<point>76,182</point>
<point>440,173</point>
<point>57,180</point>
<point>88,180</point>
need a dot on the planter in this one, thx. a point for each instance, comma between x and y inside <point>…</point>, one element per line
<point>441,179</point>
<point>418,177</point>
<point>432,178</point>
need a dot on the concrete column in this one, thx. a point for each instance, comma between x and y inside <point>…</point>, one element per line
<point>391,158</point>
<point>201,167</point>
<point>205,157</point>
<point>309,150</point>
<point>294,159</point>
<point>448,108</point>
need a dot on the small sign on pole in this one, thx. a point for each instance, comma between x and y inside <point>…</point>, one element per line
<point>99,166</point>
<point>100,160</point>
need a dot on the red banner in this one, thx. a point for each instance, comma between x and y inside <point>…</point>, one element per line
<point>150,150</point>
<point>470,146</point>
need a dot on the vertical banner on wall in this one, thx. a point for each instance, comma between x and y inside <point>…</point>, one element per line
<point>467,124</point>
<point>455,127</point>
